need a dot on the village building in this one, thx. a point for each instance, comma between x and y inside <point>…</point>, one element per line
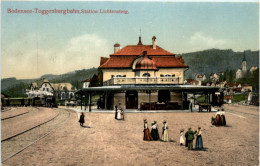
<point>252,69</point>
<point>200,77</point>
<point>214,77</point>
<point>63,91</point>
<point>192,82</point>
<point>241,73</point>
<point>144,77</point>
<point>40,88</point>
<point>43,88</point>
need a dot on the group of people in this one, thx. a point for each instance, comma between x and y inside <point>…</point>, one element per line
<point>154,135</point>
<point>189,137</point>
<point>219,118</point>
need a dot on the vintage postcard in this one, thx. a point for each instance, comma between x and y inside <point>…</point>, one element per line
<point>129,83</point>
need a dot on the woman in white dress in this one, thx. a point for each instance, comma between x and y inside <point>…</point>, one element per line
<point>119,114</point>
<point>165,135</point>
<point>182,140</point>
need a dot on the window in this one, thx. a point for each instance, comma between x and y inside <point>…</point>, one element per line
<point>47,89</point>
<point>167,75</point>
<point>161,75</point>
<point>118,75</point>
<point>124,75</point>
<point>112,76</point>
<point>173,75</point>
<point>146,75</point>
<point>43,89</point>
<point>45,85</point>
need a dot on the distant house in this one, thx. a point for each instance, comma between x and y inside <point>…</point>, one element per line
<point>63,91</point>
<point>221,73</point>
<point>40,88</point>
<point>86,83</point>
<point>214,76</point>
<point>239,74</point>
<point>252,69</point>
<point>43,87</point>
<point>246,88</point>
<point>200,77</point>
<point>192,82</point>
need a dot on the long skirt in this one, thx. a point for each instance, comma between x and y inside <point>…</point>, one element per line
<point>165,136</point>
<point>147,135</point>
<point>223,120</point>
<point>199,143</point>
<point>81,119</point>
<point>182,141</point>
<point>155,134</point>
<point>218,123</point>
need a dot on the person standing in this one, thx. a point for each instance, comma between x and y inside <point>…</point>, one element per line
<point>165,135</point>
<point>116,112</point>
<point>190,137</point>
<point>217,121</point>
<point>199,143</point>
<point>182,140</point>
<point>154,131</point>
<point>119,114</point>
<point>81,119</point>
<point>147,135</point>
<point>222,118</point>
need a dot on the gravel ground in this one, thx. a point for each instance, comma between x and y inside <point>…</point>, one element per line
<point>14,112</point>
<point>106,141</point>
<point>36,116</point>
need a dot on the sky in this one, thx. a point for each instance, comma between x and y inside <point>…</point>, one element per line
<point>34,44</point>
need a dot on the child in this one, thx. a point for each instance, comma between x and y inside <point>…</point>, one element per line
<point>182,141</point>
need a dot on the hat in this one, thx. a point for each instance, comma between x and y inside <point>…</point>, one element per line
<point>164,121</point>
<point>155,121</point>
<point>199,128</point>
<point>145,120</point>
<point>182,130</point>
<point>222,109</point>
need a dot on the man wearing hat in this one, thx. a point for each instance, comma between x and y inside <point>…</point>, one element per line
<point>190,136</point>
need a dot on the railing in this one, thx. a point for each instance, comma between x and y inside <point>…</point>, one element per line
<point>143,80</point>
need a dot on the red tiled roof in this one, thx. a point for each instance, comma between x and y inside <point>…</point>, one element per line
<point>103,60</point>
<point>138,50</point>
<point>168,62</point>
<point>118,62</point>
<point>126,62</point>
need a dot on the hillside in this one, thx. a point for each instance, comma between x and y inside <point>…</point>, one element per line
<point>215,60</point>
<point>16,88</point>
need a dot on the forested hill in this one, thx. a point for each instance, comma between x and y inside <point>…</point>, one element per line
<point>215,60</point>
<point>14,87</point>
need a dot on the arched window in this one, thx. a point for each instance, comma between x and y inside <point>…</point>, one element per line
<point>167,75</point>
<point>146,75</point>
<point>118,75</point>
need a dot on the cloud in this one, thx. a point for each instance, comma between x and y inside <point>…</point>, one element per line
<point>20,58</point>
<point>200,41</point>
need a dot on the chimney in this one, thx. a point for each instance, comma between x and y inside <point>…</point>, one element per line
<point>116,47</point>
<point>154,42</point>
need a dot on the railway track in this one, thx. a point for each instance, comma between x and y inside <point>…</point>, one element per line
<point>243,113</point>
<point>19,142</point>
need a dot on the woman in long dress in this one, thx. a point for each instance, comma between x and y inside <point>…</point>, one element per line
<point>81,119</point>
<point>199,143</point>
<point>182,140</point>
<point>165,135</point>
<point>154,132</point>
<point>119,114</point>
<point>147,135</point>
<point>222,118</point>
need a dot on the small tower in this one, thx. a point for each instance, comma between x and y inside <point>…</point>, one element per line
<point>154,42</point>
<point>116,47</point>
<point>244,63</point>
<point>140,42</point>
